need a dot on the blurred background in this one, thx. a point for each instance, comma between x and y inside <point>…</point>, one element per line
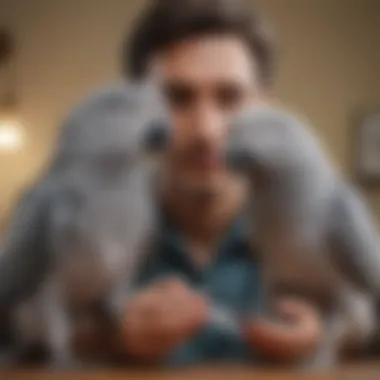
<point>328,69</point>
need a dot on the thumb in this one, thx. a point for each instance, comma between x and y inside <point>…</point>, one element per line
<point>293,310</point>
<point>290,339</point>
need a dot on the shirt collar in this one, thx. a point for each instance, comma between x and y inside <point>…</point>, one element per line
<point>234,244</point>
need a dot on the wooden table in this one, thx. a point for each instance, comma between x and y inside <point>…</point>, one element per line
<point>364,371</point>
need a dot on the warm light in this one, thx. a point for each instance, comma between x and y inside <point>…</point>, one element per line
<point>11,136</point>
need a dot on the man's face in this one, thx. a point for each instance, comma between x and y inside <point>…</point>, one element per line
<point>205,81</point>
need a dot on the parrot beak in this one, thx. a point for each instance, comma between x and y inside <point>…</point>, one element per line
<point>238,160</point>
<point>157,137</point>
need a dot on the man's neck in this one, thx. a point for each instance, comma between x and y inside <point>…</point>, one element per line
<point>204,219</point>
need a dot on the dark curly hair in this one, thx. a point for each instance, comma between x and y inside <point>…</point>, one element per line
<point>167,22</point>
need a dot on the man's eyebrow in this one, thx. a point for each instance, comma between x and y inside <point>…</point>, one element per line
<point>227,82</point>
<point>218,84</point>
<point>178,83</point>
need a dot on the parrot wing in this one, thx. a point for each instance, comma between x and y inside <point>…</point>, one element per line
<point>355,241</point>
<point>24,253</point>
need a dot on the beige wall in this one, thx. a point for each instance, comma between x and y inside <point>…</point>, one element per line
<point>329,60</point>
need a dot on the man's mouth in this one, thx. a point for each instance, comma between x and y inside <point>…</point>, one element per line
<point>205,161</point>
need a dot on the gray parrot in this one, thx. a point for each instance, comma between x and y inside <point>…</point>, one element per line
<point>314,233</point>
<point>79,234</point>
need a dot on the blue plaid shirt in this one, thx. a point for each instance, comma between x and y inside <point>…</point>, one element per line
<point>232,280</point>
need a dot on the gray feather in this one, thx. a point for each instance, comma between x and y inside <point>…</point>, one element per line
<point>354,240</point>
<point>24,253</point>
<point>314,233</point>
<point>77,237</point>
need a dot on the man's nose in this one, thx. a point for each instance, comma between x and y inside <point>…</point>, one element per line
<point>208,123</point>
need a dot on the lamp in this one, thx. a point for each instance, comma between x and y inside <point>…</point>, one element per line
<point>12,137</point>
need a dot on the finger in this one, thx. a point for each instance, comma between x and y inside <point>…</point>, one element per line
<point>144,312</point>
<point>164,309</point>
<point>143,331</point>
<point>174,321</point>
<point>305,318</point>
<point>183,314</point>
<point>292,308</point>
<point>195,313</point>
<point>283,339</point>
<point>146,307</point>
<point>270,332</point>
<point>177,303</point>
<point>274,341</point>
<point>171,283</point>
<point>144,337</point>
<point>145,343</point>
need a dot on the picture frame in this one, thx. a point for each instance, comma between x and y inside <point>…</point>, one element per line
<point>366,143</point>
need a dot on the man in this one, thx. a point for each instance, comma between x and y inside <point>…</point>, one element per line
<point>211,58</point>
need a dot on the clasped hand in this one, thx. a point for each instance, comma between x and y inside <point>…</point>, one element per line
<point>167,313</point>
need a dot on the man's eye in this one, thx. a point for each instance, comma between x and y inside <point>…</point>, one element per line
<point>179,96</point>
<point>229,97</point>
